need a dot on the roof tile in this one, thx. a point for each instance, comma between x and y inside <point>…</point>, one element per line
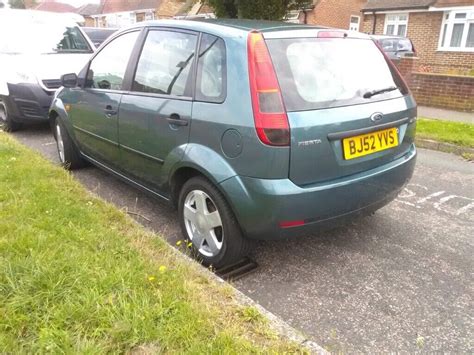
<point>381,5</point>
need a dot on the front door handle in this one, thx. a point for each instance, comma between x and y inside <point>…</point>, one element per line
<point>109,111</point>
<point>175,120</point>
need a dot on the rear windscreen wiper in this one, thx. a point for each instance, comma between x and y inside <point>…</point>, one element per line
<point>369,94</point>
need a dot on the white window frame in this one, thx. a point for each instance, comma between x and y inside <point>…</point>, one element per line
<point>353,23</point>
<point>449,20</point>
<point>396,22</point>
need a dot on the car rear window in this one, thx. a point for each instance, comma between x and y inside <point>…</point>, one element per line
<point>319,73</point>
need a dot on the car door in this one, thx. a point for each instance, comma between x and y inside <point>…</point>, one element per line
<point>155,115</point>
<point>95,114</point>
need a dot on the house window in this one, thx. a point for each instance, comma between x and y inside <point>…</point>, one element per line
<point>396,24</point>
<point>457,31</point>
<point>150,15</point>
<point>354,24</point>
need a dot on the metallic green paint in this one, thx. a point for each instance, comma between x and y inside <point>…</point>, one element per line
<point>264,185</point>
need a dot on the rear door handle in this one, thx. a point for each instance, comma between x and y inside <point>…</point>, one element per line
<point>175,120</point>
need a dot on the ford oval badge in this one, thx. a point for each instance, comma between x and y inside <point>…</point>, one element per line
<point>376,117</point>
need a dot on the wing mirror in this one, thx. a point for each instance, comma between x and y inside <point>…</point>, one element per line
<point>69,80</point>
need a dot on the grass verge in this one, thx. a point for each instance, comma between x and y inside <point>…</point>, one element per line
<point>446,131</point>
<point>77,275</point>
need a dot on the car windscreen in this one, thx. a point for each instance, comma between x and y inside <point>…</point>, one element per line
<point>41,38</point>
<point>319,73</point>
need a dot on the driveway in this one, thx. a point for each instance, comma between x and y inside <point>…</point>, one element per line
<point>400,280</point>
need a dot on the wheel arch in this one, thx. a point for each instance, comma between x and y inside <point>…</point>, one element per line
<point>199,160</point>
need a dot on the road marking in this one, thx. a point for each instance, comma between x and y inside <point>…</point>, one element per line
<point>412,196</point>
<point>429,197</point>
<point>441,205</point>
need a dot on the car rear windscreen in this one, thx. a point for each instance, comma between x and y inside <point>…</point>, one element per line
<point>319,73</point>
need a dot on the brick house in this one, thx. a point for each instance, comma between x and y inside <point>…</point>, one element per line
<point>343,14</point>
<point>120,13</point>
<point>87,11</point>
<point>441,30</point>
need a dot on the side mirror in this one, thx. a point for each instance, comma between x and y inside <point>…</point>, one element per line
<point>69,80</point>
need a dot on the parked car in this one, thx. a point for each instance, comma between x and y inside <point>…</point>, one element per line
<point>98,35</point>
<point>36,48</point>
<point>395,47</point>
<point>253,130</point>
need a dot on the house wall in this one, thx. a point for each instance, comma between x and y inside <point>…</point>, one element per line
<point>453,92</point>
<point>335,13</point>
<point>89,21</point>
<point>424,30</point>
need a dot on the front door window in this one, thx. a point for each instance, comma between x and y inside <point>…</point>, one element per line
<point>107,69</point>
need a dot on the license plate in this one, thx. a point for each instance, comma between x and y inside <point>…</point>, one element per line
<point>365,144</point>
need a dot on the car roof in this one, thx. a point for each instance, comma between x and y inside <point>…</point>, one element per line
<point>238,27</point>
<point>226,26</point>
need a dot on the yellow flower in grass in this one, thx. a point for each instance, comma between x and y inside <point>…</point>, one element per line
<point>179,242</point>
<point>162,268</point>
<point>151,278</point>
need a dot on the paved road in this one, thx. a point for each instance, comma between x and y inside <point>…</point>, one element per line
<point>401,280</point>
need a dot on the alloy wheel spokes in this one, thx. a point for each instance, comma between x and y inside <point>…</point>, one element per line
<point>203,223</point>
<point>59,139</point>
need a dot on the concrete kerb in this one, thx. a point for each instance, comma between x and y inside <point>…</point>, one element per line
<point>275,323</point>
<point>445,147</point>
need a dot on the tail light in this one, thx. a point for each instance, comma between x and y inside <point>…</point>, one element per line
<point>271,121</point>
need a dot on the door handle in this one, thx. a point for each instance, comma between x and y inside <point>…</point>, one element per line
<point>109,111</point>
<point>175,120</point>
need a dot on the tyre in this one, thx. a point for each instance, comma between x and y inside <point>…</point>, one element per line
<point>207,221</point>
<point>69,156</point>
<point>6,122</point>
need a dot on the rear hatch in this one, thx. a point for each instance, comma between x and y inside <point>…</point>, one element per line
<point>348,109</point>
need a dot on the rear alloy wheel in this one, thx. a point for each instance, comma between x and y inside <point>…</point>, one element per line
<point>6,123</point>
<point>69,156</point>
<point>209,224</point>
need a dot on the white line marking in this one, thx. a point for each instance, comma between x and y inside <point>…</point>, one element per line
<point>429,197</point>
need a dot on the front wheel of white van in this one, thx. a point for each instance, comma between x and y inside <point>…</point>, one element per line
<point>208,222</point>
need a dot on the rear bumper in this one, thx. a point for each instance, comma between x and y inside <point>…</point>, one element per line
<point>261,205</point>
<point>28,102</point>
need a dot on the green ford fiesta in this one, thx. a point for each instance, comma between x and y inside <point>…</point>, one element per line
<point>252,130</point>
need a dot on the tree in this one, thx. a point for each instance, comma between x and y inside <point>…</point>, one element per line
<point>16,4</point>
<point>257,9</point>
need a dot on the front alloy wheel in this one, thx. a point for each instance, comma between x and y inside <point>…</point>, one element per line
<point>60,142</point>
<point>69,156</point>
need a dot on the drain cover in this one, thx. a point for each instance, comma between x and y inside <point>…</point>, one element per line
<point>238,270</point>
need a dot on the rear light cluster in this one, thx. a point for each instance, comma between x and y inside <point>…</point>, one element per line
<point>271,120</point>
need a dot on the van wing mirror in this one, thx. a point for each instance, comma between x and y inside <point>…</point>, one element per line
<point>69,80</point>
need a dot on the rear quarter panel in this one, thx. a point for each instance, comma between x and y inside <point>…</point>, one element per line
<point>211,121</point>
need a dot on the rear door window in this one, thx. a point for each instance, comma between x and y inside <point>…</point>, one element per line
<point>211,74</point>
<point>165,63</point>
<point>330,72</point>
